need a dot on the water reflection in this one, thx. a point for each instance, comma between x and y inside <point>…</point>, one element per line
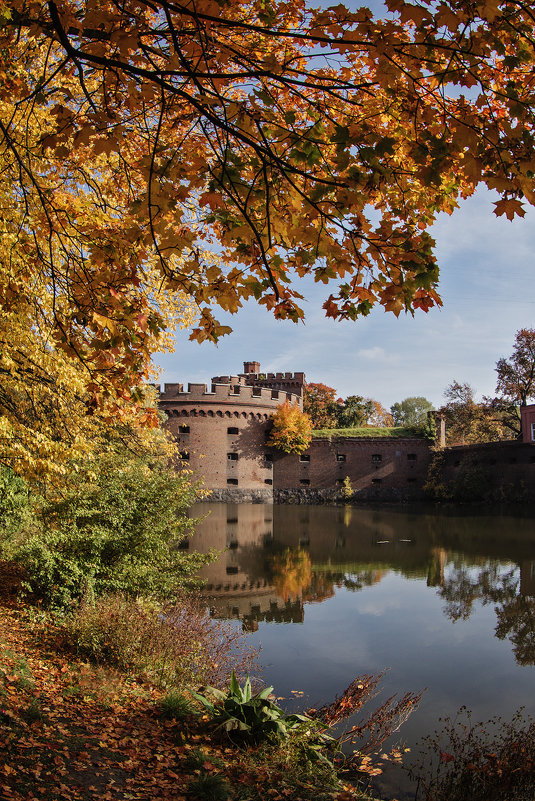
<point>511,592</point>
<point>276,559</point>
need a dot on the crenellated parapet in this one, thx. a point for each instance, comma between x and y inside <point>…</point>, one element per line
<point>292,383</point>
<point>229,392</point>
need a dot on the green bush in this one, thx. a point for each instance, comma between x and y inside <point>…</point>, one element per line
<point>15,509</point>
<point>116,531</point>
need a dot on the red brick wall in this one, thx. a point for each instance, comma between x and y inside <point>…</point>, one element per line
<point>507,468</point>
<point>528,420</point>
<point>381,462</point>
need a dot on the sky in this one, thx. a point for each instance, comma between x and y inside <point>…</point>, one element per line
<point>486,284</point>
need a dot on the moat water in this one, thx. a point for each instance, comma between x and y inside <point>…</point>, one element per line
<point>442,600</point>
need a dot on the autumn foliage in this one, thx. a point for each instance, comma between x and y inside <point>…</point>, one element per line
<point>291,431</point>
<point>319,402</point>
<point>155,151</point>
<point>515,385</point>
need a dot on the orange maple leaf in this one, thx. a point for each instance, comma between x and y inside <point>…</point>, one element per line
<point>509,207</point>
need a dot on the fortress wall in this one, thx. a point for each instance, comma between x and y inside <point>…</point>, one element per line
<point>369,463</point>
<point>506,470</point>
<point>222,430</point>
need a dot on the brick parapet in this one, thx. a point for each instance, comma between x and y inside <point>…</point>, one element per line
<point>292,383</point>
<point>225,393</point>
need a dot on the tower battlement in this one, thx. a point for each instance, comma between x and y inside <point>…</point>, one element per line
<point>226,392</point>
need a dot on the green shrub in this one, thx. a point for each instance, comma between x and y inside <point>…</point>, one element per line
<point>16,511</point>
<point>117,531</point>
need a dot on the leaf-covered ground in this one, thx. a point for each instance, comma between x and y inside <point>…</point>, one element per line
<point>69,730</point>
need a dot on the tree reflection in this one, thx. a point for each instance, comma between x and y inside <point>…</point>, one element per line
<point>489,584</point>
<point>291,572</point>
<point>516,620</point>
<point>364,578</point>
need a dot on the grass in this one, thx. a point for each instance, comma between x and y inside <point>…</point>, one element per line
<point>396,432</point>
<point>175,705</point>
<point>209,787</point>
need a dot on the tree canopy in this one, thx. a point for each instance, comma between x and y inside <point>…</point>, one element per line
<point>515,385</point>
<point>271,129</point>
<point>467,420</point>
<point>411,411</point>
<point>321,405</point>
<point>326,410</point>
<point>291,429</point>
<point>213,152</point>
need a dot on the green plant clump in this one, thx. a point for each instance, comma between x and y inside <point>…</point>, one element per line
<point>209,787</point>
<point>256,717</point>
<point>175,705</point>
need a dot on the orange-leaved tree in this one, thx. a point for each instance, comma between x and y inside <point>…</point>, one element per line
<point>319,402</point>
<point>292,429</point>
<point>515,385</point>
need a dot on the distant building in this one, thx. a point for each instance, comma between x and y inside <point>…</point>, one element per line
<point>527,414</point>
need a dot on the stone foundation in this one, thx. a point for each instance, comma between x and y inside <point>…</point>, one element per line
<point>241,495</point>
<point>371,495</point>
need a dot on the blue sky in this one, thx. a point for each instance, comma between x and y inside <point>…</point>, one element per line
<point>486,284</point>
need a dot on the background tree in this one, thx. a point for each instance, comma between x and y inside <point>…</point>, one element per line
<point>379,416</point>
<point>466,420</point>
<point>319,402</point>
<point>411,411</point>
<point>292,429</point>
<point>355,411</point>
<point>515,385</point>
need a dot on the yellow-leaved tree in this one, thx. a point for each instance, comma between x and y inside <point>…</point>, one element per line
<point>292,429</point>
